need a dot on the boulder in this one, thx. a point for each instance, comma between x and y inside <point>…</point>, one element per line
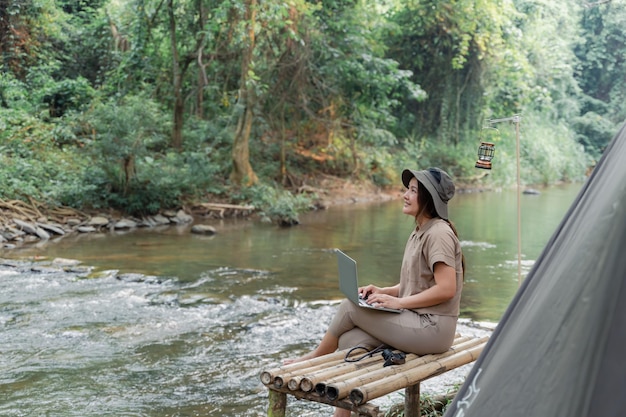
<point>125,224</point>
<point>52,227</point>
<point>203,229</point>
<point>32,229</point>
<point>183,217</point>
<point>160,219</point>
<point>98,221</point>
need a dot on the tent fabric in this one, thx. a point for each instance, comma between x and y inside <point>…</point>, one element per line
<point>559,349</point>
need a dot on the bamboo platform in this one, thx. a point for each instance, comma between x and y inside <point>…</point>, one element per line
<point>331,380</point>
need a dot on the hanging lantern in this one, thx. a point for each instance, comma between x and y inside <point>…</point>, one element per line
<point>486,151</point>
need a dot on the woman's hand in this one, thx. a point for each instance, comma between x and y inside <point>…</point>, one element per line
<point>367,291</point>
<point>384,300</point>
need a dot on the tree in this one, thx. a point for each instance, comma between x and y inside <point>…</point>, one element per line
<point>180,64</point>
<point>242,170</point>
<point>451,47</point>
<point>601,70</point>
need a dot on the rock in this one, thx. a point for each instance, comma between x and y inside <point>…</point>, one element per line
<point>65,262</point>
<point>183,217</point>
<point>98,221</point>
<point>134,277</point>
<point>73,222</point>
<point>160,219</point>
<point>26,227</point>
<point>13,233</point>
<point>531,191</point>
<point>54,228</point>
<point>86,229</point>
<point>203,229</point>
<point>32,229</point>
<point>146,222</point>
<point>125,224</point>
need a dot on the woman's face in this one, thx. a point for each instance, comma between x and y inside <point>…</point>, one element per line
<point>410,207</point>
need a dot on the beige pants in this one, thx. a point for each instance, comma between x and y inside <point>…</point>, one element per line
<point>408,331</point>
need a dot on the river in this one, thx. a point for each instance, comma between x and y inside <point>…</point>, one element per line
<point>162,322</point>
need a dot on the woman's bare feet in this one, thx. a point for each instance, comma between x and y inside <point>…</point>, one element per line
<point>328,345</point>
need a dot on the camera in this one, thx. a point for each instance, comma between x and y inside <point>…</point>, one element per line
<point>393,358</point>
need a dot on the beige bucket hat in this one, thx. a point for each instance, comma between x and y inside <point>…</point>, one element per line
<point>437,182</point>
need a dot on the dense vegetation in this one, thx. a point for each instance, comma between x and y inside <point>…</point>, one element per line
<point>142,105</point>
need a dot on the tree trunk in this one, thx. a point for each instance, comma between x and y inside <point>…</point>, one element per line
<point>177,80</point>
<point>202,77</point>
<point>242,170</point>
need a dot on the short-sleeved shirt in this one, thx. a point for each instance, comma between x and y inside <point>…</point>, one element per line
<point>428,244</point>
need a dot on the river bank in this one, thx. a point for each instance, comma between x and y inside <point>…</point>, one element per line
<point>24,223</point>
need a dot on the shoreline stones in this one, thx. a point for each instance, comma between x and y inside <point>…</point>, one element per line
<point>17,230</point>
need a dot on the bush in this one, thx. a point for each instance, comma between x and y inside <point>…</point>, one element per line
<point>458,161</point>
<point>274,204</point>
<point>31,166</point>
<point>594,132</point>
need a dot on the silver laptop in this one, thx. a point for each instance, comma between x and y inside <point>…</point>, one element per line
<point>349,285</point>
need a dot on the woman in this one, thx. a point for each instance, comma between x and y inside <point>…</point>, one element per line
<point>429,291</point>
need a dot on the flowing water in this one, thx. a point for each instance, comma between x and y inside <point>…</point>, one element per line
<point>162,322</point>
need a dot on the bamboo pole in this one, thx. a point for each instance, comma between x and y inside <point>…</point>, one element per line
<point>284,378</point>
<point>320,381</point>
<point>341,386</point>
<point>307,382</point>
<point>369,409</point>
<point>278,376</point>
<point>380,387</point>
<point>267,376</point>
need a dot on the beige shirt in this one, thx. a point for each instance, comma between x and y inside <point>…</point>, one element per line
<point>431,243</point>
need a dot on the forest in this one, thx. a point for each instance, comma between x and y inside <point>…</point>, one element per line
<point>146,105</point>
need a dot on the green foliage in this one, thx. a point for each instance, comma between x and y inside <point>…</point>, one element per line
<point>67,95</point>
<point>549,153</point>
<point>380,166</point>
<point>453,46</point>
<point>594,132</point>
<point>363,89</point>
<point>601,68</point>
<point>274,204</point>
<point>548,34</point>
<point>457,160</point>
<point>13,93</point>
<point>371,85</point>
<point>31,166</point>
<point>124,136</point>
<point>601,51</point>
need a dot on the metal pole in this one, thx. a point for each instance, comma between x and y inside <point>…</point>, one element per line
<point>516,119</point>
<point>519,206</point>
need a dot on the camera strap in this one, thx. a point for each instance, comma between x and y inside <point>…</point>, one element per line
<point>391,357</point>
<point>369,353</point>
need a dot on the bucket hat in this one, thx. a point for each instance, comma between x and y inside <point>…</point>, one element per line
<point>437,182</point>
